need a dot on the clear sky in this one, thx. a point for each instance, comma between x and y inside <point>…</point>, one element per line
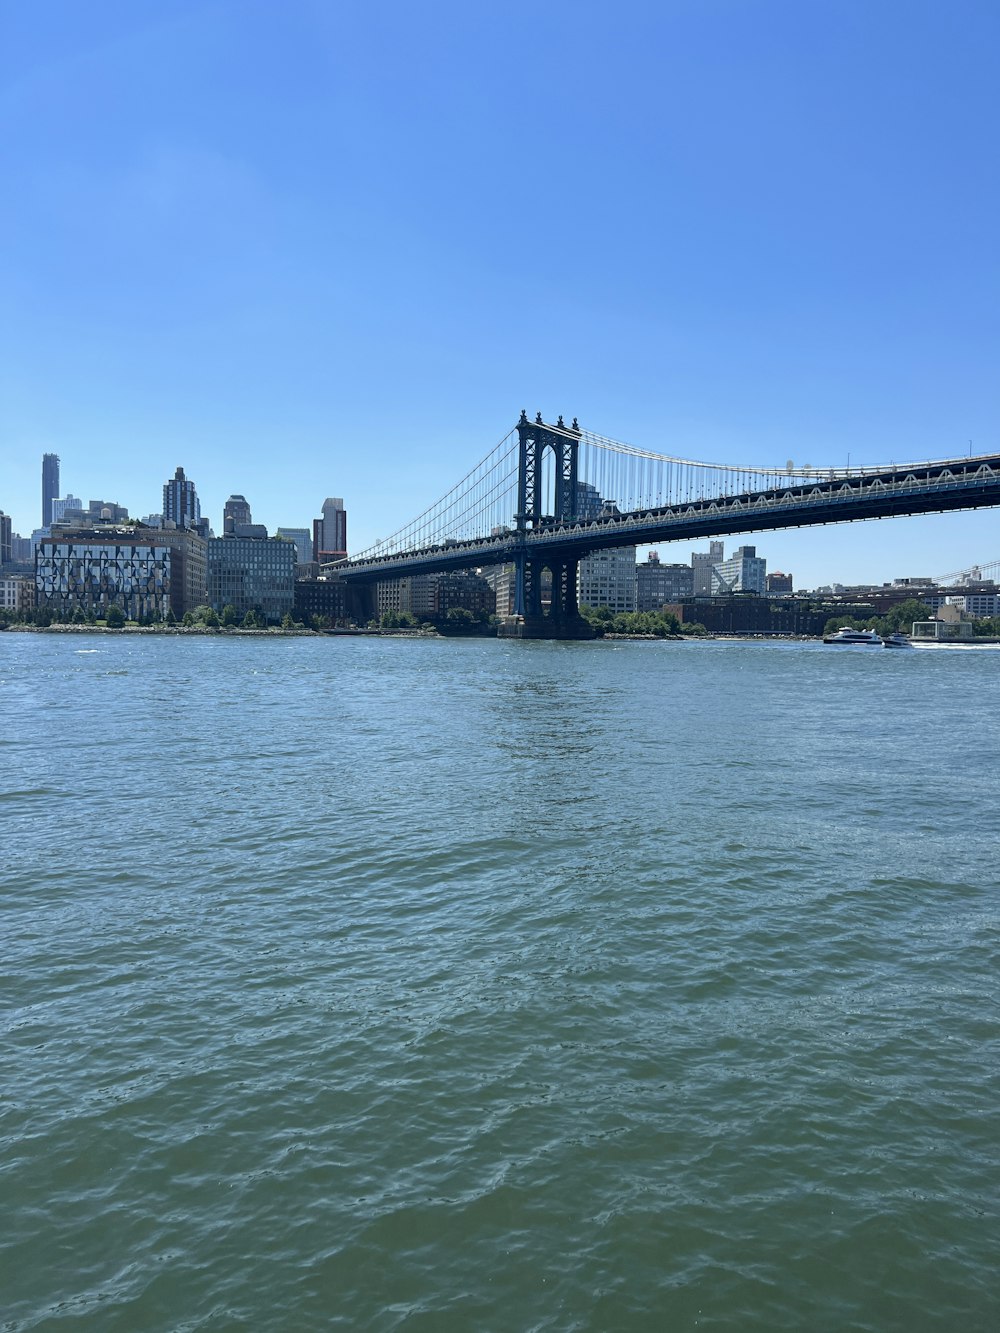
<point>306,248</point>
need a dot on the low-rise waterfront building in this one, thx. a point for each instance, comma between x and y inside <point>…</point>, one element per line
<point>658,584</point>
<point>464,589</point>
<point>388,596</point>
<point>252,574</point>
<point>608,578</point>
<point>93,572</point>
<point>145,571</point>
<point>502,581</point>
<point>416,595</point>
<point>432,596</point>
<point>749,614</point>
<point>17,592</point>
<point>325,596</point>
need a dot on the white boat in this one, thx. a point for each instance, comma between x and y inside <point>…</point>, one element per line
<point>896,641</point>
<point>846,635</point>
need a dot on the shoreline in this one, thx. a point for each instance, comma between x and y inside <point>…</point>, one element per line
<point>276,631</point>
<point>201,630</point>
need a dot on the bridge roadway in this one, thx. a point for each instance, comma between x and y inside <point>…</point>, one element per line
<point>925,488</point>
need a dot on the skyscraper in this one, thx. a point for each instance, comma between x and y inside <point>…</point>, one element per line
<point>5,538</point>
<point>236,514</point>
<point>701,563</point>
<point>744,571</point>
<point>50,485</point>
<point>303,542</point>
<point>330,532</point>
<point>59,507</point>
<point>180,501</point>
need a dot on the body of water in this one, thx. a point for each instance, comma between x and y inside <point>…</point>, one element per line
<point>449,985</point>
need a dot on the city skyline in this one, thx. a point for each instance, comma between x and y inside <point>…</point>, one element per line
<point>769,237</point>
<point>783,545</point>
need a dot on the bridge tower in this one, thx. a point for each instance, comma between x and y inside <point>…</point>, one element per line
<point>563,619</point>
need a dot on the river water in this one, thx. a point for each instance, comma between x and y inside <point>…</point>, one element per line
<point>450,985</point>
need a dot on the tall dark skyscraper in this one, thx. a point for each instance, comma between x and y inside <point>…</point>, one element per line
<point>330,532</point>
<point>236,514</point>
<point>180,501</point>
<point>50,486</point>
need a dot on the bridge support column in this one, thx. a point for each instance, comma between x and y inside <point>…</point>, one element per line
<point>527,586</point>
<point>564,604</point>
<point>562,620</point>
<point>532,588</point>
<point>519,596</point>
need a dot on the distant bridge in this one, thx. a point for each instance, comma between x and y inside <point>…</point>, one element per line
<point>548,495</point>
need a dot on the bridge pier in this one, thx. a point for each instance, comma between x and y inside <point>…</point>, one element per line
<point>543,627</point>
<point>531,619</point>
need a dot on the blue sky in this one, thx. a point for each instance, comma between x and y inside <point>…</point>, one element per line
<point>308,249</point>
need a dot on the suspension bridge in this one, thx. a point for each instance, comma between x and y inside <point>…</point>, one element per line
<point>549,494</point>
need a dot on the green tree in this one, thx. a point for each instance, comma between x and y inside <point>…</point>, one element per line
<point>597,615</point>
<point>115,618</point>
<point>287,622</point>
<point>841,622</point>
<point>229,616</point>
<point>901,617</point>
<point>188,619</point>
<point>459,615</point>
<point>210,618</point>
<point>170,618</point>
<point>79,616</point>
<point>399,620</point>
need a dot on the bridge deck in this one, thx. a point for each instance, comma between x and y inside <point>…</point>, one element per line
<point>970,483</point>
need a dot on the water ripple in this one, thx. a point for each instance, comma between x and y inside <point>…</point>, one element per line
<point>417,985</point>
